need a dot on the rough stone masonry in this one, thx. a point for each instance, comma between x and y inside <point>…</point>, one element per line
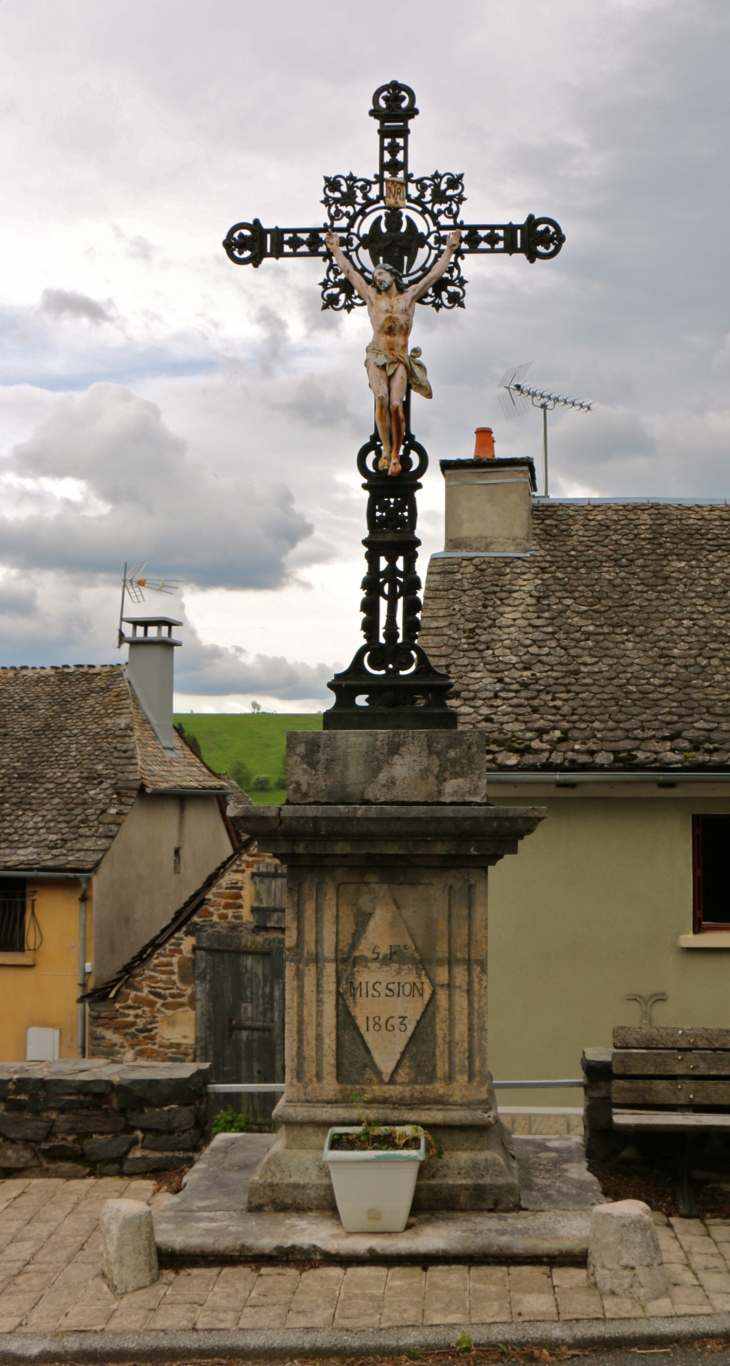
<point>71,1117</point>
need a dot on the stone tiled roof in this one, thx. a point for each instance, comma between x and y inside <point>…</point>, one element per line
<point>75,750</point>
<point>607,648</point>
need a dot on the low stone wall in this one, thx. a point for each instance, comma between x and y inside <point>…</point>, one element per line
<point>74,1117</point>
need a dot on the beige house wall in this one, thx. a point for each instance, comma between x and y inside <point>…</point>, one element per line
<point>136,890</point>
<point>590,909</point>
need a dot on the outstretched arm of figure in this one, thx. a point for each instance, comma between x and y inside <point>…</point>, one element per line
<point>354,276</point>
<point>437,270</point>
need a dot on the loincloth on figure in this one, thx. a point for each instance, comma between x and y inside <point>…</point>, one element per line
<point>411,362</point>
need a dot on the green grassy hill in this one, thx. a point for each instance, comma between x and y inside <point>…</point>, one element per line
<point>246,746</point>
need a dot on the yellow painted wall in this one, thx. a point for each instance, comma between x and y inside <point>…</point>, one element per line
<point>45,992</point>
<point>590,909</point>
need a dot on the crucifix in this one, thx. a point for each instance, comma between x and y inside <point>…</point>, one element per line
<point>392,241</point>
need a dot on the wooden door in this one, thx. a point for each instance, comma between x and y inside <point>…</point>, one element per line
<point>239,1007</point>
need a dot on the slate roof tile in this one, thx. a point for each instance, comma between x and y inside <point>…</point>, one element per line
<point>607,648</point>
<point>75,750</point>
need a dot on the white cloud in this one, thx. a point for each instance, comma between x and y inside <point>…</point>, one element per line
<point>159,501</point>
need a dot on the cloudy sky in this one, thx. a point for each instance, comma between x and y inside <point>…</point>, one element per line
<point>158,403</point>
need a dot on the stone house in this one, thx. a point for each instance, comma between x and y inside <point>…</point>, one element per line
<point>146,1011</point>
<point>108,822</point>
<point>209,985</point>
<point>589,640</point>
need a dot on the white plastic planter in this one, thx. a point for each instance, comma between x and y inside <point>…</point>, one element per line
<point>373,1190</point>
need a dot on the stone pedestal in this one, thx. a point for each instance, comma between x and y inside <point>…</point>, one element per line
<point>386,946</point>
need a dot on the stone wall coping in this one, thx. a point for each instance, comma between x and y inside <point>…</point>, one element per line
<point>428,836</point>
<point>361,822</point>
<point>97,1068</point>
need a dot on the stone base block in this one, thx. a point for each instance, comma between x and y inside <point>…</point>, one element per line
<point>385,766</point>
<point>477,1172</point>
<point>129,1255</point>
<point>624,1257</point>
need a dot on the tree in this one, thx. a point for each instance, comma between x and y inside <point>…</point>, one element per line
<point>191,740</point>
<point>241,774</point>
<point>255,707</point>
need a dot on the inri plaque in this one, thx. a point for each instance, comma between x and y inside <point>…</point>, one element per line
<point>386,985</point>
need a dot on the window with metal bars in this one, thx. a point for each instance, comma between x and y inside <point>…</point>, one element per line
<point>19,928</point>
<point>711,862</point>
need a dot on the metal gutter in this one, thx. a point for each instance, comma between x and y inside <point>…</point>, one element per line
<point>36,874</point>
<point>638,498</point>
<point>185,791</point>
<point>81,1008</point>
<point>565,779</point>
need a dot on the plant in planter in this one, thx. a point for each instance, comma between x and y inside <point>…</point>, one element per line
<point>373,1167</point>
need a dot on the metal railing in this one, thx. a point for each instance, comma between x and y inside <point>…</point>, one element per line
<point>536,1085</point>
<point>19,928</point>
<point>231,1088</point>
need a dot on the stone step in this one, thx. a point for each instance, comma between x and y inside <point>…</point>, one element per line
<point>208,1220</point>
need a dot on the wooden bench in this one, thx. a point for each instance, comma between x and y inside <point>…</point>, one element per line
<point>667,1080</point>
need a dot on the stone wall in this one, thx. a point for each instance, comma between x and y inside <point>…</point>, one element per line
<point>151,1013</point>
<point>74,1117</point>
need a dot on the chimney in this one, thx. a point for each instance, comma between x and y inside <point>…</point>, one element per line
<point>150,671</point>
<point>488,505</point>
<point>484,443</point>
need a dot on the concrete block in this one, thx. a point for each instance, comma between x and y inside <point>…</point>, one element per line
<point>129,1255</point>
<point>624,1257</point>
<point>385,766</point>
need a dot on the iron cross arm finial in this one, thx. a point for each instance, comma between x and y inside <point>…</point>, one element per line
<point>394,218</point>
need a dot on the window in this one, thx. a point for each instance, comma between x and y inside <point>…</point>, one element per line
<point>711,859</point>
<point>12,915</point>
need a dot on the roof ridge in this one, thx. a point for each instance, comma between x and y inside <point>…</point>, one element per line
<point>49,668</point>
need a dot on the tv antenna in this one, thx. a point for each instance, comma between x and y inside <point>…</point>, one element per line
<point>517,398</point>
<point>133,584</point>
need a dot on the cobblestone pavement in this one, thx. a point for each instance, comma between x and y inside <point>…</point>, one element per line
<point>50,1279</point>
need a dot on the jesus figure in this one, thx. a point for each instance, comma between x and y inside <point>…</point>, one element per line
<point>390,365</point>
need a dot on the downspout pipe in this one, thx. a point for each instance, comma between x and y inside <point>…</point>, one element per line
<point>81,1008</point>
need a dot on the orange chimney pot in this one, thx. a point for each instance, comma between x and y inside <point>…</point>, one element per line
<point>484,443</point>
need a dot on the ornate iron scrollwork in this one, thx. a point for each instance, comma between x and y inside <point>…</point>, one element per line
<point>394,217</point>
<point>403,221</point>
<point>391,682</point>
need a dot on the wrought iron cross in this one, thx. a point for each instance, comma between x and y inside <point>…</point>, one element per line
<point>395,218</point>
<point>400,220</point>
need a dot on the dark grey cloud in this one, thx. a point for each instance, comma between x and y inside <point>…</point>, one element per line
<point>215,670</point>
<point>66,303</point>
<point>70,618</point>
<point>148,496</point>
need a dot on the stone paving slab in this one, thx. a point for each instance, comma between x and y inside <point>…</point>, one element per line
<point>66,1295</point>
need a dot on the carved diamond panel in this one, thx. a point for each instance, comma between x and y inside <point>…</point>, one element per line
<point>385,985</point>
